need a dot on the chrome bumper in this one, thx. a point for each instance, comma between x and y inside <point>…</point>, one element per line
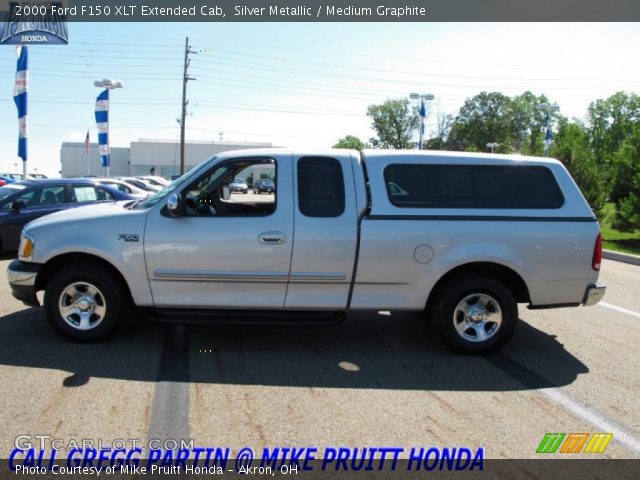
<point>22,280</point>
<point>594,294</point>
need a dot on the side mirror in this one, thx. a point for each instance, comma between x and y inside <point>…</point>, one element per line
<point>18,205</point>
<point>225,193</point>
<point>175,207</point>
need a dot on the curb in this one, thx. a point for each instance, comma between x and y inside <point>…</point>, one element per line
<point>621,257</point>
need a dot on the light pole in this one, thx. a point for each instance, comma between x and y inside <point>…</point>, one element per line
<point>492,146</point>
<point>423,97</point>
<point>103,127</point>
<point>548,108</point>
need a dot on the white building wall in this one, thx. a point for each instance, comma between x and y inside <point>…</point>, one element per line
<point>75,162</point>
<point>142,155</point>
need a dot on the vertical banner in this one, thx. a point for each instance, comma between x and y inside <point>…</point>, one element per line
<point>87,145</point>
<point>20,97</point>
<point>547,135</point>
<point>102,122</point>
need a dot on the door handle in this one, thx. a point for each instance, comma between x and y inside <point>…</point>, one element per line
<point>272,238</point>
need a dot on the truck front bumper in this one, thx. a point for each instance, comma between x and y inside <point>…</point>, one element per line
<point>594,294</point>
<point>22,280</point>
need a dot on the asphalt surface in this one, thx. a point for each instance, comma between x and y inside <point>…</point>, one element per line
<point>375,380</point>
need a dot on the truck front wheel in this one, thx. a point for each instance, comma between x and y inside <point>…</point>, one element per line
<point>476,315</point>
<point>83,302</point>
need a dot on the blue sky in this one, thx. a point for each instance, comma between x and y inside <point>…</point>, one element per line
<point>298,84</point>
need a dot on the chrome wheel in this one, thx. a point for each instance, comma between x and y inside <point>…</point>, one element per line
<point>477,318</point>
<point>82,306</point>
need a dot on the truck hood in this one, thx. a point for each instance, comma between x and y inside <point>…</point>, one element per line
<point>85,214</point>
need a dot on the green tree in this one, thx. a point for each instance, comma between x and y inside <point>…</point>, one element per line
<point>351,142</point>
<point>627,182</point>
<point>611,121</point>
<point>483,118</point>
<point>443,129</point>
<point>394,122</point>
<point>528,123</point>
<point>571,147</point>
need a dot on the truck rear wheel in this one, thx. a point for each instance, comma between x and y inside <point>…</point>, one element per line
<point>83,302</point>
<point>476,315</point>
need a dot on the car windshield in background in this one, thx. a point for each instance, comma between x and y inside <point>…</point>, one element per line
<point>9,189</point>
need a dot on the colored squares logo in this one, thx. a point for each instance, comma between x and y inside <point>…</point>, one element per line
<point>575,442</point>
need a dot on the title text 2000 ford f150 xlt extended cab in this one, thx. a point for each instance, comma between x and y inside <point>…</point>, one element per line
<point>463,237</point>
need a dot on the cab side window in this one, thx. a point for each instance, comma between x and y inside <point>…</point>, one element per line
<point>224,191</point>
<point>320,187</point>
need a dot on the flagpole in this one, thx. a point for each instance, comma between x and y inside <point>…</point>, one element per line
<point>424,97</point>
<point>548,108</point>
<point>20,90</point>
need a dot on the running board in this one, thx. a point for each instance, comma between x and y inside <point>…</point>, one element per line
<point>243,317</point>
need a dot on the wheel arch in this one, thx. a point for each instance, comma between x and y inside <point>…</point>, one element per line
<point>56,263</point>
<point>506,275</point>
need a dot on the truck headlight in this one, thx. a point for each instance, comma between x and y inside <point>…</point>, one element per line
<point>25,252</point>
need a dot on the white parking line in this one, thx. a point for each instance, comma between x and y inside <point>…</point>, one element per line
<point>627,438</point>
<point>619,309</point>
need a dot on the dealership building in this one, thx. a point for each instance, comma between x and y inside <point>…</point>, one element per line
<point>142,157</point>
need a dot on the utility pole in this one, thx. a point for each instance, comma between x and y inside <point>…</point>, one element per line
<point>185,102</point>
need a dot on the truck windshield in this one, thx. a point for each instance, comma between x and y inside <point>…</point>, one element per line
<point>172,187</point>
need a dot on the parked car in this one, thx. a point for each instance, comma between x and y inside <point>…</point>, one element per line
<point>264,185</point>
<point>124,187</point>
<point>155,180</point>
<point>26,200</point>
<point>38,176</point>
<point>2,182</point>
<point>238,185</point>
<point>474,236</point>
<point>11,177</point>
<point>140,184</point>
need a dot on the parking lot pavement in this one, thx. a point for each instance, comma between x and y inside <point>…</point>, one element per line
<point>377,379</point>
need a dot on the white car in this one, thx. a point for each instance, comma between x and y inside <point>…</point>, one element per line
<point>124,187</point>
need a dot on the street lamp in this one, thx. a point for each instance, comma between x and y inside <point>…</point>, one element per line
<point>548,108</point>
<point>423,97</point>
<point>108,84</point>
<point>492,146</point>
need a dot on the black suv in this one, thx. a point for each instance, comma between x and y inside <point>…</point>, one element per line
<point>264,185</point>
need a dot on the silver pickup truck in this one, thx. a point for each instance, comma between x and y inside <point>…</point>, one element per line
<point>462,237</point>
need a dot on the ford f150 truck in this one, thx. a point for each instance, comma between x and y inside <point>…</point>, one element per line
<point>463,237</point>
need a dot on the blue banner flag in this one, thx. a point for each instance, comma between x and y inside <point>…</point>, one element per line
<point>547,136</point>
<point>20,97</point>
<point>423,115</point>
<point>102,122</point>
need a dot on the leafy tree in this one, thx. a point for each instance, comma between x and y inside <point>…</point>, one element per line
<point>627,182</point>
<point>443,129</point>
<point>528,123</point>
<point>611,121</point>
<point>483,118</point>
<point>394,122</point>
<point>572,148</point>
<point>351,142</point>
<point>625,163</point>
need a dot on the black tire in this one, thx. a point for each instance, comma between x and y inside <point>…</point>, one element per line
<point>475,291</point>
<point>110,301</point>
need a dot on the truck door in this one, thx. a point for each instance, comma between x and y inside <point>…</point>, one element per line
<point>229,249</point>
<point>325,233</point>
